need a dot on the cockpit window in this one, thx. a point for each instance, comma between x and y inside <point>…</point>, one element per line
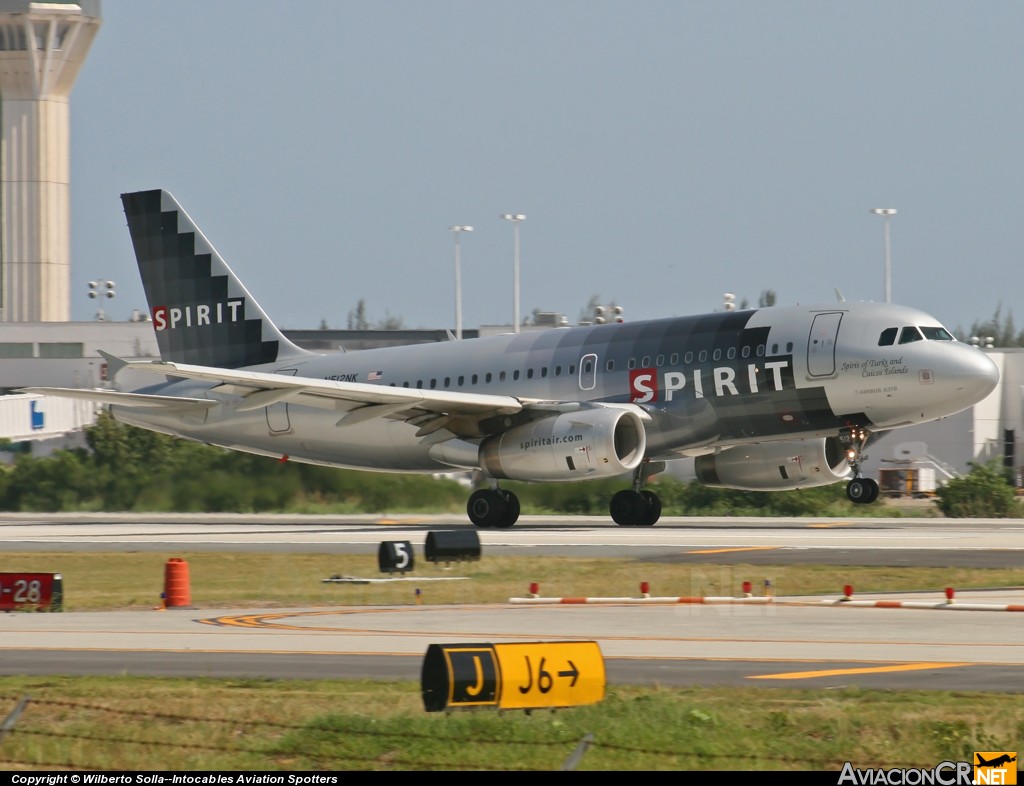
<point>937,334</point>
<point>910,334</point>
<point>888,337</point>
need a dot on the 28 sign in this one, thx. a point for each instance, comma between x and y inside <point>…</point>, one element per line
<point>31,591</point>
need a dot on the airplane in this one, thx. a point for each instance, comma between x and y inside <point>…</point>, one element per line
<point>996,762</point>
<point>765,399</point>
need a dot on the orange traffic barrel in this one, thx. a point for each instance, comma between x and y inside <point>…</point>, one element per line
<point>176,583</point>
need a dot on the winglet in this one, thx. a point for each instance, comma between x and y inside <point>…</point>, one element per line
<point>839,296</point>
<point>114,363</point>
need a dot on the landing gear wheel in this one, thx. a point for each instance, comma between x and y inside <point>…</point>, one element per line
<point>493,508</point>
<point>862,491</point>
<point>652,511</point>
<point>486,508</point>
<point>635,508</point>
<point>625,507</point>
<point>511,503</point>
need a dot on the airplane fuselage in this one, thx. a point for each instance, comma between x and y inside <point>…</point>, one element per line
<point>702,383</point>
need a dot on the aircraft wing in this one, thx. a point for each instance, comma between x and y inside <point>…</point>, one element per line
<point>260,389</point>
<point>104,396</point>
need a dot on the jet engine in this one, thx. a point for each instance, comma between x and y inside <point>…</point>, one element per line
<point>587,443</point>
<point>775,466</point>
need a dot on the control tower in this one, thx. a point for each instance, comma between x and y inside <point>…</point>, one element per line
<point>42,47</point>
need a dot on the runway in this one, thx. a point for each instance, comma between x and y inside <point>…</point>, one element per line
<point>793,642</point>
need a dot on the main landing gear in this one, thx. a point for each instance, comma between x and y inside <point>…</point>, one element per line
<point>493,507</point>
<point>861,491</point>
<point>633,507</point>
<point>637,507</point>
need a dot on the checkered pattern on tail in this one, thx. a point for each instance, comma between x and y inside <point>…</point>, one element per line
<point>202,313</point>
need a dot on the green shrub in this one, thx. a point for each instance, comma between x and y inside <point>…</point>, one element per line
<point>985,492</point>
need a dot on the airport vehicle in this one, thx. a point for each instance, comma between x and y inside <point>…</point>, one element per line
<point>766,399</point>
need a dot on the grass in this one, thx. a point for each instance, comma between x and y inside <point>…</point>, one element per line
<point>132,724</point>
<point>202,724</point>
<point>95,581</point>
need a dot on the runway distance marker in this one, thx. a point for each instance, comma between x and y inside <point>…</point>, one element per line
<point>526,676</point>
<point>35,591</point>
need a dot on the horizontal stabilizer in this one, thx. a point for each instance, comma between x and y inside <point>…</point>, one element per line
<point>125,399</point>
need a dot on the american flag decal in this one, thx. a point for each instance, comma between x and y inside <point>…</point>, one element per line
<point>373,376</point>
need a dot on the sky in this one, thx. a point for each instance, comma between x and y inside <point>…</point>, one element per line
<point>664,153</point>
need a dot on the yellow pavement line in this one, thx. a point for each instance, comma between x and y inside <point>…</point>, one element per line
<point>806,675</point>
<point>737,548</point>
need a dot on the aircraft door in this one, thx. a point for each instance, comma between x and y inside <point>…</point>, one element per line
<point>588,372</point>
<point>821,344</point>
<point>278,420</point>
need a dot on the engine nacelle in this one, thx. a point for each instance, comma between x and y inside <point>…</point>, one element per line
<point>589,443</point>
<point>775,466</point>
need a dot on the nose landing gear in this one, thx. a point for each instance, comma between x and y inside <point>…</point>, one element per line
<point>860,491</point>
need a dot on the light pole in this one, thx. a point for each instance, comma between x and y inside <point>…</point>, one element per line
<point>886,213</point>
<point>101,289</point>
<point>516,219</point>
<point>457,231</point>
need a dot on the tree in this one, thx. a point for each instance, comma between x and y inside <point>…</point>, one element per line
<point>357,317</point>
<point>983,493</point>
<point>588,311</point>
<point>999,328</point>
<point>390,323</point>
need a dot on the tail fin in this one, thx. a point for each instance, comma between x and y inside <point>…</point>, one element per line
<point>201,312</point>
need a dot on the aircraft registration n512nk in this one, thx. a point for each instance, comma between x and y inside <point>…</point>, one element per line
<point>763,399</point>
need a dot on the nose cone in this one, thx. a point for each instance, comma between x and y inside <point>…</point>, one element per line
<point>977,375</point>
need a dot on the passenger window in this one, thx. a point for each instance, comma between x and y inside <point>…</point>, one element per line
<point>789,346</point>
<point>405,384</point>
<point>609,366</point>
<point>660,360</point>
<point>775,349</point>
<point>717,355</point>
<point>529,373</point>
<point>433,384</point>
<point>473,379</point>
<point>419,383</point>
<point>674,359</point>
<point>646,361</point>
<point>462,380</point>
<point>745,352</point>
<point>703,355</point>
<point>487,378</point>
<point>572,369</point>
<point>501,376</point>
<point>910,334</point>
<point>689,358</point>
<point>631,363</point>
<point>888,337</point>
<point>447,382</point>
<point>760,350</point>
<point>544,371</point>
<point>731,353</point>
<point>515,374</point>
